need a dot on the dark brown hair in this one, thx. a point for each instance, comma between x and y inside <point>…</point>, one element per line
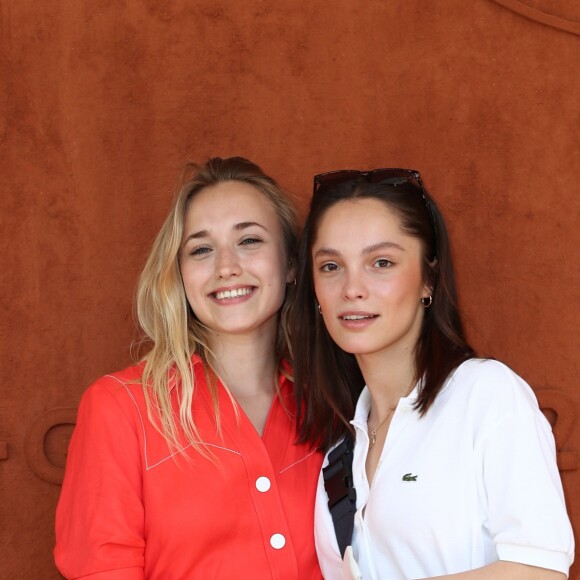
<point>328,380</point>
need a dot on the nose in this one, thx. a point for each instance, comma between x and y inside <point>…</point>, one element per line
<point>354,287</point>
<point>227,264</point>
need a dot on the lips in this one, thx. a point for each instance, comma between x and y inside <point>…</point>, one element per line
<point>356,316</point>
<point>232,293</point>
<point>357,321</point>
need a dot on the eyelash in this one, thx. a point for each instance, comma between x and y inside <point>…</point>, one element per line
<point>388,263</point>
<point>202,250</point>
<point>332,267</point>
<point>250,241</point>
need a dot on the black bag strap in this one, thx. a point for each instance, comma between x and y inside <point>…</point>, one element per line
<point>339,485</point>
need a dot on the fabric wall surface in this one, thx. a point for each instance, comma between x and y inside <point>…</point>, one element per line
<point>101,102</point>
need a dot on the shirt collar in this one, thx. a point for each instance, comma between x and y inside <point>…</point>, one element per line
<point>195,362</point>
<point>363,405</point>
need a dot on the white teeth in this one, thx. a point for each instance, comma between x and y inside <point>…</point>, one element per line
<point>356,317</point>
<point>233,293</point>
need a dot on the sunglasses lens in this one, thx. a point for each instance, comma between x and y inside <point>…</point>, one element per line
<point>388,176</point>
<point>326,180</point>
<point>391,176</point>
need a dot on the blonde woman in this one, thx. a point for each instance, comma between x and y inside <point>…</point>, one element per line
<point>186,465</point>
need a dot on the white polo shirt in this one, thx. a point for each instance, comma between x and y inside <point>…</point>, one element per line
<point>472,482</point>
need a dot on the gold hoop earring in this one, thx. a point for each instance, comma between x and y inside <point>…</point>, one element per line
<point>427,301</point>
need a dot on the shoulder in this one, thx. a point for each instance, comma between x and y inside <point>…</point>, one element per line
<point>111,413</point>
<point>117,381</point>
<point>490,384</point>
<point>115,389</point>
<point>129,380</point>
<point>486,397</point>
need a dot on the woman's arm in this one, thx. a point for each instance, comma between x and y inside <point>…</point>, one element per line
<point>507,571</point>
<point>520,488</point>
<point>100,515</point>
<point>526,512</point>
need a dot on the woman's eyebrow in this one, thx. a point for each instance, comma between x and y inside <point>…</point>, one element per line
<point>331,252</point>
<point>237,227</point>
<point>326,252</point>
<point>382,246</point>
<point>196,235</point>
<point>244,225</point>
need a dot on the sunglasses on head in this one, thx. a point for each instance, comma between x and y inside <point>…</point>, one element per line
<point>388,176</point>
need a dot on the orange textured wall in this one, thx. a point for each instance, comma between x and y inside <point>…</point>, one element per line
<point>102,101</point>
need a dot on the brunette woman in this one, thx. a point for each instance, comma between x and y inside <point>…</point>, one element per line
<point>454,465</point>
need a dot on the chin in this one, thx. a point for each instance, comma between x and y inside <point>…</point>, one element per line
<point>353,348</point>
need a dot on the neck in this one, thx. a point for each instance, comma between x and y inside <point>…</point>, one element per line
<point>389,376</point>
<point>245,364</point>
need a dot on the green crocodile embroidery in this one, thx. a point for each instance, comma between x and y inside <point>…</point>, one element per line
<point>409,477</point>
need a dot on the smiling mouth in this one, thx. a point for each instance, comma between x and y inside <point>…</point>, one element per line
<point>358,316</point>
<point>235,293</point>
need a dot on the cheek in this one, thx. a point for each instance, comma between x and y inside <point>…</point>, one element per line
<point>191,278</point>
<point>406,291</point>
<point>325,292</point>
<point>317,287</point>
<point>272,267</point>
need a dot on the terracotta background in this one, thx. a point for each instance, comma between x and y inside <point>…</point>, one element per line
<point>102,101</point>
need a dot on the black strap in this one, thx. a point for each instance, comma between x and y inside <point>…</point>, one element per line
<point>339,485</point>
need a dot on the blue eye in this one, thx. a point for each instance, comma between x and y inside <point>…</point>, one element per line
<point>250,241</point>
<point>200,251</point>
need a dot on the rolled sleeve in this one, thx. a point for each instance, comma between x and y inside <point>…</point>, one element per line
<point>527,515</point>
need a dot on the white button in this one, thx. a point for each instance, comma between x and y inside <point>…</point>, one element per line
<point>277,541</point>
<point>263,484</point>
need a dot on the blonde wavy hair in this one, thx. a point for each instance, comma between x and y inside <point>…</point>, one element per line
<point>164,314</point>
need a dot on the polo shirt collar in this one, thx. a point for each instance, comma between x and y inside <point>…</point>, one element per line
<point>363,405</point>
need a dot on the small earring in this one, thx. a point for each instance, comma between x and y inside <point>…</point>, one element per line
<point>427,301</point>
<point>319,310</point>
<point>293,283</point>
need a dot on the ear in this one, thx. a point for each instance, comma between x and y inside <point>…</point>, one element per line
<point>428,283</point>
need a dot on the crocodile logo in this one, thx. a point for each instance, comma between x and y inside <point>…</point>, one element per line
<point>409,477</point>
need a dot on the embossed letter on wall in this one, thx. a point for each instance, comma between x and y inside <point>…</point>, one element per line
<point>47,441</point>
<point>560,411</point>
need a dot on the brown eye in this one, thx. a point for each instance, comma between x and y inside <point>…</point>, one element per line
<point>329,267</point>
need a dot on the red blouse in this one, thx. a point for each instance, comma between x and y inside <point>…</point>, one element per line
<point>130,510</point>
